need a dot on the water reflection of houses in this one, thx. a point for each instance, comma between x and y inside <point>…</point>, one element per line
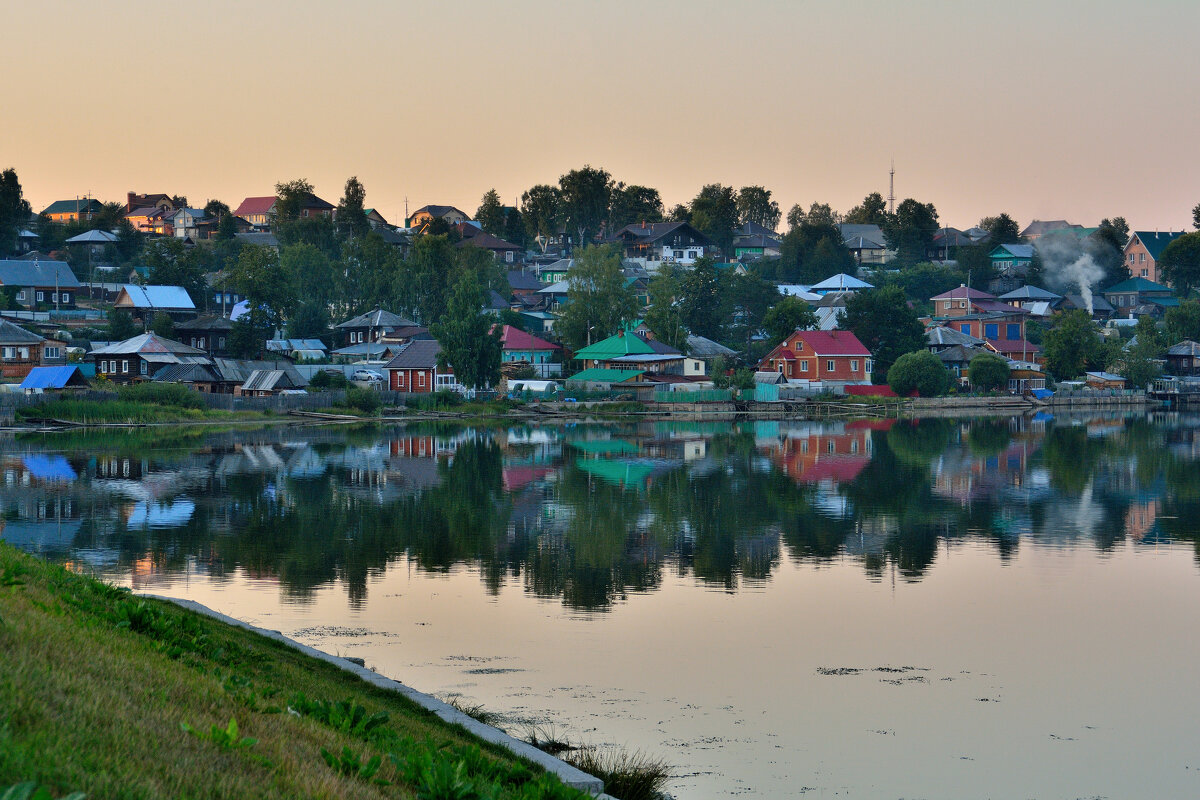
<point>830,453</point>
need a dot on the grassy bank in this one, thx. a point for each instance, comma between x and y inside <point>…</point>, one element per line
<point>117,696</point>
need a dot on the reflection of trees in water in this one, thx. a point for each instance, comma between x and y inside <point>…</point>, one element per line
<point>590,541</point>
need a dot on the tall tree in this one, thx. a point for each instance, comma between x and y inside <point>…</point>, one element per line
<point>259,277</point>
<point>1119,230</point>
<point>598,301</point>
<point>584,197</point>
<point>1071,345</point>
<point>714,213</point>
<point>750,299</point>
<point>665,315</point>
<point>871,211</point>
<point>1196,217</point>
<point>490,214</point>
<point>173,264</point>
<point>813,251</point>
<point>1180,263</point>
<point>470,340</point>
<point>910,232</point>
<point>423,280</point>
<point>351,216</point>
<point>885,324</point>
<point>633,204</point>
<point>311,273</point>
<point>754,204</point>
<point>514,227</point>
<point>703,299</point>
<point>679,213</point>
<point>540,208</point>
<point>795,216</point>
<point>290,198</point>
<point>822,214</point>
<point>1002,229</point>
<point>1183,322</point>
<point>217,210</point>
<point>788,315</point>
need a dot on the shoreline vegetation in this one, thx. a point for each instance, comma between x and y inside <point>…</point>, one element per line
<point>116,695</point>
<point>176,408</point>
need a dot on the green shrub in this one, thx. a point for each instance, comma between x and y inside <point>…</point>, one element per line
<point>439,399</point>
<point>921,371</point>
<point>366,400</point>
<point>325,379</point>
<point>161,394</point>
<point>988,373</point>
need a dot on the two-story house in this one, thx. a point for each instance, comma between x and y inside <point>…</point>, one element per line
<point>22,350</point>
<point>258,211</point>
<point>653,243</point>
<point>210,334</point>
<point>519,347</point>
<point>191,223</point>
<point>1143,250</point>
<point>139,358</point>
<point>984,316</point>
<point>72,210</point>
<point>424,215</point>
<point>828,357</point>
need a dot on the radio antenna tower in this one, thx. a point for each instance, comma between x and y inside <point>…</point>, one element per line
<point>892,189</point>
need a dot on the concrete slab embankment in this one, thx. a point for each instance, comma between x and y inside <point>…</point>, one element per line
<point>566,773</point>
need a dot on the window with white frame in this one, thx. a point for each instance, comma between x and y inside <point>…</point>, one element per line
<point>804,366</point>
<point>124,365</point>
<point>41,296</point>
<point>854,365</point>
<point>830,366</point>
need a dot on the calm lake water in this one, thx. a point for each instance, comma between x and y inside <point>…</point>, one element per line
<point>947,609</point>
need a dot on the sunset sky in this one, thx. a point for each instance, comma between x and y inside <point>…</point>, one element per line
<point>1050,109</point>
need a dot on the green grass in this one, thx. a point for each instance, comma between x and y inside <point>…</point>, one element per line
<point>119,696</point>
<point>120,411</point>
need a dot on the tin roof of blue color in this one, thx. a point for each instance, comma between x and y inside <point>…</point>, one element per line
<point>51,377</point>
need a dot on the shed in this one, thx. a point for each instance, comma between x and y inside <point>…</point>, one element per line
<point>41,379</point>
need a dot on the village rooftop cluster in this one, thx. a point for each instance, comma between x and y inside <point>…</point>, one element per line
<point>587,286</point>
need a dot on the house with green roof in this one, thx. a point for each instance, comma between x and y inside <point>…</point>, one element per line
<point>620,344</point>
<point>601,378</point>
<point>1139,296</point>
<point>71,210</point>
<point>1143,251</point>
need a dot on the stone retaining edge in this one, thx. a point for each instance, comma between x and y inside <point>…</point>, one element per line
<point>568,774</point>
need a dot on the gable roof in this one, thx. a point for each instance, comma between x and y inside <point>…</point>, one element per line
<point>619,344</point>
<point>210,323</point>
<point>148,344</point>
<point>867,230</point>
<point>1030,292</point>
<point>15,334</point>
<point>520,279</point>
<point>1013,250</point>
<point>1154,241</point>
<point>754,229</point>
<point>841,281</point>
<point>438,211</point>
<point>256,205</point>
<point>833,343</point>
<point>417,354</point>
<point>37,273</point>
<point>1185,348</point>
<point>1040,226</point>
<point>94,236</point>
<point>940,335</point>
<point>1137,285</point>
<point>961,292</point>
<point>379,318</point>
<point>54,377</point>
<point>84,205</point>
<point>487,241</point>
<point>701,347</point>
<point>650,232</point>
<point>1098,302</point>
<point>516,339</point>
<point>173,298</point>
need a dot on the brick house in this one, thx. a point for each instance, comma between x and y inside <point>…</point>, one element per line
<point>825,356</point>
<point>1143,251</point>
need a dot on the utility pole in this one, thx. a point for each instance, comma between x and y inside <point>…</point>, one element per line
<point>892,189</point>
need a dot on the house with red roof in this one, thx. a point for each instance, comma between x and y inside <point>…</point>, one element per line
<point>258,211</point>
<point>827,357</point>
<point>518,347</point>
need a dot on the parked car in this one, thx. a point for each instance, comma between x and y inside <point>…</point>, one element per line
<point>366,376</point>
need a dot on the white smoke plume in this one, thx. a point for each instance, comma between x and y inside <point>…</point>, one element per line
<point>1068,265</point>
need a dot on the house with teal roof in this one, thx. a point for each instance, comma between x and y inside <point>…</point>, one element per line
<point>1140,296</point>
<point>1143,251</point>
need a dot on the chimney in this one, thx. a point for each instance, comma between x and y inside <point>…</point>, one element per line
<point>128,202</point>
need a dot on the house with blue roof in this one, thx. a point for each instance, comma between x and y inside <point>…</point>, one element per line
<point>143,302</point>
